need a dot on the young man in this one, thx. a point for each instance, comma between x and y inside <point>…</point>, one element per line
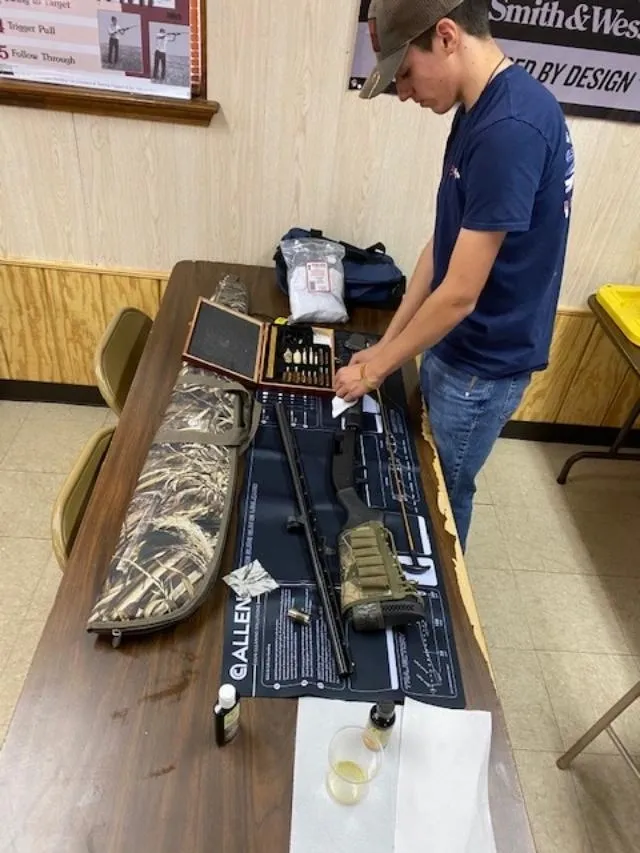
<point>481,301</point>
<point>160,55</point>
<point>115,32</point>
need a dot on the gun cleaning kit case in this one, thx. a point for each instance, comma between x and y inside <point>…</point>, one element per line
<point>291,357</point>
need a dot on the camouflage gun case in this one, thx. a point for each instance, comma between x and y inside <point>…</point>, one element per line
<point>170,546</point>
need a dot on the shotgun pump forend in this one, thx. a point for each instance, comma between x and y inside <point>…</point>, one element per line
<point>374,592</point>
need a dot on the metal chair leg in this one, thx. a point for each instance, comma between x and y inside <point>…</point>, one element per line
<point>624,752</point>
<point>612,453</point>
<point>603,723</point>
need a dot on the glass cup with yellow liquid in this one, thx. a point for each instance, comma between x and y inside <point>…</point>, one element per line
<point>353,762</point>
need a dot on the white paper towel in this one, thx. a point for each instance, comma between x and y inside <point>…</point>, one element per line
<point>431,795</point>
<point>443,791</point>
<point>339,406</point>
<point>318,824</point>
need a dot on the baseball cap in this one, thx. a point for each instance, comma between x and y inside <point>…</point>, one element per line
<point>393,25</point>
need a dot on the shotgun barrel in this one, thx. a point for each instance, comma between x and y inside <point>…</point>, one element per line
<point>326,591</point>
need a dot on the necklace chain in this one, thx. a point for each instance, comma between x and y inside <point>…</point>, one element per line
<point>493,73</point>
<point>489,79</point>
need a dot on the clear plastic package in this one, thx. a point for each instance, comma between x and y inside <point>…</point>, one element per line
<point>315,277</point>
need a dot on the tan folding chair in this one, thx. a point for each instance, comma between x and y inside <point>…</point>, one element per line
<point>73,497</point>
<point>604,725</point>
<point>118,355</point>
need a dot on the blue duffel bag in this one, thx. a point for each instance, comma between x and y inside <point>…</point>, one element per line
<point>371,277</point>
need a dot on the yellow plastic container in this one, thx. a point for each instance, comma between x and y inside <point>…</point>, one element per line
<point>622,303</point>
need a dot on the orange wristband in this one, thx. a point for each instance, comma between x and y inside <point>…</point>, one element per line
<point>368,384</point>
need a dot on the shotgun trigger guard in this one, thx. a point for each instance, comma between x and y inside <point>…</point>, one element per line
<point>412,568</point>
<point>327,550</point>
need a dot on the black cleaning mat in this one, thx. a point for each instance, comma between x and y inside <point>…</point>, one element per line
<point>265,652</point>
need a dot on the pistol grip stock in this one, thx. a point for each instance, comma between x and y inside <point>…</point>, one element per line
<point>341,465</point>
<point>357,511</point>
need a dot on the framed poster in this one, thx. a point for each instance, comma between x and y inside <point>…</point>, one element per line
<point>364,58</point>
<point>587,53</point>
<point>141,46</point>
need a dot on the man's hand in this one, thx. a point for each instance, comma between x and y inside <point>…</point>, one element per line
<point>365,355</point>
<point>356,380</point>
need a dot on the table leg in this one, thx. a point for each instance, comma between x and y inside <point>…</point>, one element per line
<point>603,724</point>
<point>612,453</point>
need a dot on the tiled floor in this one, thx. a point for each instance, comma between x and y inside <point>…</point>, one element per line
<point>555,572</point>
<point>38,445</point>
<point>556,576</point>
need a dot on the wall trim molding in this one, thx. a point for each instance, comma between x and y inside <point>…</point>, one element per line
<point>65,266</point>
<point>27,391</point>
<point>69,266</point>
<point>568,434</point>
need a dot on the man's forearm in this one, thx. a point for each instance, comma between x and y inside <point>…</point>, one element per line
<point>417,291</point>
<point>438,314</point>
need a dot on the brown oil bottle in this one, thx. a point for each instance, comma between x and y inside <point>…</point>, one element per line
<point>380,724</point>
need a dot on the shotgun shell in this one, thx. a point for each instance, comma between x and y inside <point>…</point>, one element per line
<point>299,616</point>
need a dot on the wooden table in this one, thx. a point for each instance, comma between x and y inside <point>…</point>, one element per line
<point>631,353</point>
<point>111,750</point>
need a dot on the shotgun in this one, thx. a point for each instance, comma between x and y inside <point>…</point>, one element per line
<point>307,520</point>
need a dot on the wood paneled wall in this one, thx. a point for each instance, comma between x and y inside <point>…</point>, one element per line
<point>291,146</point>
<point>52,317</point>
<point>587,381</point>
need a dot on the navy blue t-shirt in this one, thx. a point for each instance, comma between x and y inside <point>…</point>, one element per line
<point>508,166</point>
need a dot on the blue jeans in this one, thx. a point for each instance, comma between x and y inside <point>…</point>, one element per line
<point>466,414</point>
